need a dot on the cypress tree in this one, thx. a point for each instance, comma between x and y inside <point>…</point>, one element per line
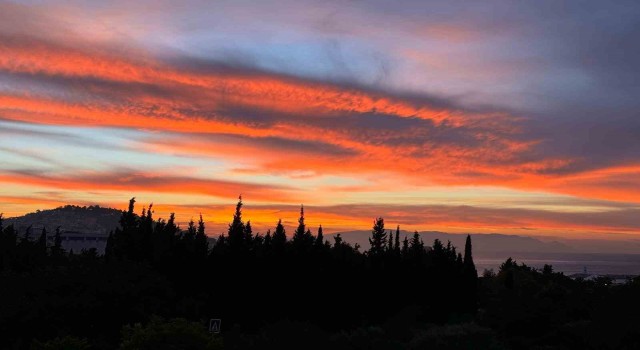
<point>469,266</point>
<point>57,243</point>
<point>320,238</point>
<point>470,275</point>
<point>378,238</point>
<point>128,218</point>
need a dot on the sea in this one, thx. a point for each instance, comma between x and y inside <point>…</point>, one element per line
<point>568,263</point>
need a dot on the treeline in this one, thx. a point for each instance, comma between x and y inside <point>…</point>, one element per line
<point>158,284</point>
<point>296,278</point>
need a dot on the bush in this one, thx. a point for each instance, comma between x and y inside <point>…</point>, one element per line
<point>65,343</point>
<point>175,334</point>
<point>456,337</point>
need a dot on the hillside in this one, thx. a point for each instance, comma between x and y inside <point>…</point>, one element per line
<point>70,218</point>
<point>482,243</point>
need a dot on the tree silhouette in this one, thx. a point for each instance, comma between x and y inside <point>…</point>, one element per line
<point>416,246</point>
<point>302,238</point>
<point>469,266</point>
<point>201,242</point>
<point>470,278</point>
<point>267,240</point>
<point>236,233</point>
<point>191,230</point>
<point>248,233</point>
<point>279,237</point>
<point>56,249</point>
<point>378,238</point>
<point>405,246</point>
<point>152,266</point>
<point>397,239</point>
<point>320,238</point>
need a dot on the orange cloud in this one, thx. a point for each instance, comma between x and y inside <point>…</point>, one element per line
<point>133,182</point>
<point>373,132</point>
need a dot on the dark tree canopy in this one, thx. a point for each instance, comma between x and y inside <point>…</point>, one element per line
<point>157,279</point>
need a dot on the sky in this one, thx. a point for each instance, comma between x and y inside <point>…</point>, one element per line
<point>459,116</point>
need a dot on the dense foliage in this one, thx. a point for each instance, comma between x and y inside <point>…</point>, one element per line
<point>157,286</point>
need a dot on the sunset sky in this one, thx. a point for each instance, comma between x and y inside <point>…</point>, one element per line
<point>493,116</point>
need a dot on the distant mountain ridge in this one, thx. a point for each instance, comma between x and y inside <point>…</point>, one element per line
<point>70,218</point>
<point>101,221</point>
<point>482,243</point>
<point>489,244</point>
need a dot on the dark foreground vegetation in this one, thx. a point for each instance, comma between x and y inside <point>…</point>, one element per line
<point>158,285</point>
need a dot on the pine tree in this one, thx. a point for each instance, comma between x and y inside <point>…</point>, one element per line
<point>248,233</point>
<point>390,242</point>
<point>299,234</point>
<point>279,236</point>
<point>171,228</point>
<point>257,241</point>
<point>438,248</point>
<point>236,228</point>
<point>378,238</point>
<point>191,231</point>
<point>201,241</point>
<point>416,246</point>
<point>397,245</point>
<point>405,246</point>
<point>267,240</point>
<point>201,227</point>
<point>337,240</point>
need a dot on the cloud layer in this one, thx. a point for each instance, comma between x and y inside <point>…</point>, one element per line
<point>168,106</point>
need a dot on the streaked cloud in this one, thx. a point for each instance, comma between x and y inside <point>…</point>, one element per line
<point>359,103</point>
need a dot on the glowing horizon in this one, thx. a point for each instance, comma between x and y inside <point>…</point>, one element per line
<point>446,119</point>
